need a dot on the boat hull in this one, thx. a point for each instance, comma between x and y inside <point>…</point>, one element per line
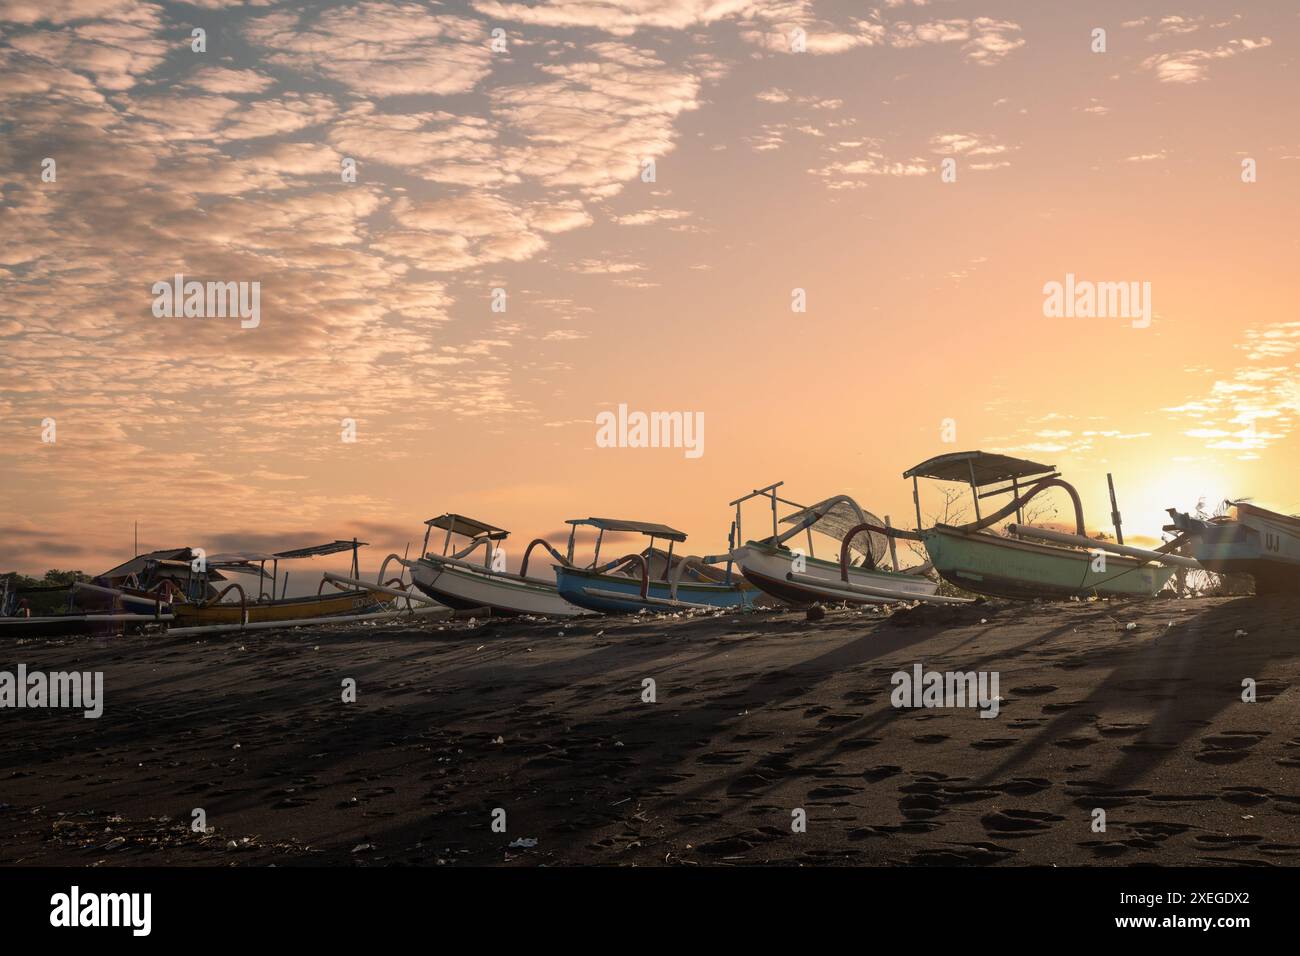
<point>619,594</point>
<point>1262,544</point>
<point>1021,570</point>
<point>467,589</point>
<point>292,609</point>
<point>769,568</point>
<point>65,625</point>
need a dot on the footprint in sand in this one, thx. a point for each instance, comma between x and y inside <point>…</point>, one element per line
<point>1062,706</point>
<point>1089,794</point>
<point>920,806</point>
<point>835,720</point>
<point>993,743</point>
<point>1174,799</point>
<point>930,738</point>
<point>1148,746</point>
<point>1226,841</point>
<point>883,772</point>
<point>1105,849</point>
<point>1230,746</point>
<point>694,819</point>
<point>1018,823</point>
<point>1024,786</point>
<point>1294,760</point>
<point>748,784</point>
<point>724,757</point>
<point>1266,690</point>
<point>1245,796</point>
<point>957,793</point>
<point>963,854</point>
<point>1286,804</point>
<point>1279,849</point>
<point>1120,729</point>
<point>830,791</point>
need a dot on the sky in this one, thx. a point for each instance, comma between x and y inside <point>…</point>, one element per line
<point>651,184</point>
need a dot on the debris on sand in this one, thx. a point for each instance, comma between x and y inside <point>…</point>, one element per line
<point>941,615</point>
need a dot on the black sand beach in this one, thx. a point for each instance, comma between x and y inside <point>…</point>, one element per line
<point>756,715</point>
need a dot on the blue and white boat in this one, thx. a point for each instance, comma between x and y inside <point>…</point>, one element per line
<point>652,579</point>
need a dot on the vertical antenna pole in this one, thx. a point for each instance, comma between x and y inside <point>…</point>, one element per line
<point>1114,510</point>
<point>893,552</point>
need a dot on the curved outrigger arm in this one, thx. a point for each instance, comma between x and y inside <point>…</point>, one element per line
<point>822,509</point>
<point>554,552</point>
<point>1020,502</point>
<point>868,563</point>
<point>692,561</point>
<point>473,546</point>
<point>243,600</point>
<point>638,559</point>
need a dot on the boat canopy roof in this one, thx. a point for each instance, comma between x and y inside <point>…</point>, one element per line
<point>141,561</point>
<point>234,559</point>
<point>470,527</point>
<point>840,518</point>
<point>642,527</point>
<point>987,468</point>
<point>316,550</point>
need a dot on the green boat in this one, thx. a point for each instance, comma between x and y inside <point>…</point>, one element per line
<point>1056,565</point>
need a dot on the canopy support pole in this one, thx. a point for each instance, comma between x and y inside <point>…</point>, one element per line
<point>916,499</point>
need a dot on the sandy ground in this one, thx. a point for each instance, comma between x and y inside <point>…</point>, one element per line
<point>756,715</point>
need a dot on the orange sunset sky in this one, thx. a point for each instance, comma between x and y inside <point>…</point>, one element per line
<point>775,169</point>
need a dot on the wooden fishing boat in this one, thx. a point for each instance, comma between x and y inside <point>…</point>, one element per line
<point>452,580</point>
<point>649,580</point>
<point>856,575</point>
<point>194,582</point>
<point>1249,540</point>
<point>1055,564</point>
<point>77,608</point>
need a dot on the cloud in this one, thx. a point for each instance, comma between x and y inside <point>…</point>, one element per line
<point>592,123</point>
<point>983,40</point>
<point>1192,66</point>
<point>378,49</point>
<point>223,79</point>
<point>620,19</point>
<point>125,44</point>
<point>1256,406</point>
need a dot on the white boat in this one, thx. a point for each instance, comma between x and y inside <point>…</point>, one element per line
<point>1250,540</point>
<point>452,580</point>
<point>797,576</point>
